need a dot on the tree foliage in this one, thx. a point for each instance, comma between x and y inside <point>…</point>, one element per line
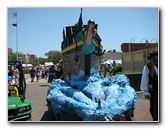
<point>13,56</point>
<point>53,56</point>
<point>111,51</point>
<point>116,69</point>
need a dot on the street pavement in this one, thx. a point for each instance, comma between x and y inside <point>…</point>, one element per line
<point>141,112</point>
<point>36,92</point>
<point>42,113</point>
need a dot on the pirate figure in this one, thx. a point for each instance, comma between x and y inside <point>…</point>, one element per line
<point>89,37</point>
<point>149,83</point>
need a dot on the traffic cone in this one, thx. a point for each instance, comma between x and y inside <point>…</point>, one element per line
<point>122,118</point>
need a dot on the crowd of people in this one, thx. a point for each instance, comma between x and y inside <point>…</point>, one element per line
<point>104,67</point>
<point>48,72</point>
<point>13,75</point>
<point>36,73</point>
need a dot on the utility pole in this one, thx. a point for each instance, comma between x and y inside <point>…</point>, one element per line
<point>15,25</point>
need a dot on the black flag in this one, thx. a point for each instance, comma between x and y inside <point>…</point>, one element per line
<point>64,37</point>
<point>80,23</point>
<point>14,24</point>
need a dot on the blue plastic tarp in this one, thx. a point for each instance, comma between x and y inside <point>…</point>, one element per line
<point>92,98</point>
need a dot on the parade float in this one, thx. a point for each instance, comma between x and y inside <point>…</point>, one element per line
<point>82,94</point>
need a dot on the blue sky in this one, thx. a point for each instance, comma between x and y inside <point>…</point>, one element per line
<point>40,29</point>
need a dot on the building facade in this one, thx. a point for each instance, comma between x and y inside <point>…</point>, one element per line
<point>10,50</point>
<point>130,47</point>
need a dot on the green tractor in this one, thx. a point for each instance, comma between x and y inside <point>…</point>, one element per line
<point>19,107</point>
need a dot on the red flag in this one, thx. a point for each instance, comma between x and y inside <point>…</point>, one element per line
<point>14,15</point>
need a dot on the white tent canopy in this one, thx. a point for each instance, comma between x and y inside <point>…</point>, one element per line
<point>48,63</point>
<point>26,65</point>
<point>111,62</point>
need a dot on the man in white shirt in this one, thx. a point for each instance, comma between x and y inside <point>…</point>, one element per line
<point>149,83</point>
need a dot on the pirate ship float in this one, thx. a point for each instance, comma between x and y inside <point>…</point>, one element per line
<point>73,58</point>
<point>84,94</point>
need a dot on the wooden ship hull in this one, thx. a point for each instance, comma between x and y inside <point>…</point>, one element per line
<point>74,60</point>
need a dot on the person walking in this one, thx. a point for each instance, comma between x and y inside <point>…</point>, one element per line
<point>52,74</point>
<point>46,72</point>
<point>32,74</point>
<point>149,83</point>
<point>37,74</point>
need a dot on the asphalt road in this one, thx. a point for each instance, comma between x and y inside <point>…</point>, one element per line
<point>36,92</point>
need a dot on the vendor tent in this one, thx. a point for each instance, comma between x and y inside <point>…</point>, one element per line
<point>111,62</point>
<point>48,63</point>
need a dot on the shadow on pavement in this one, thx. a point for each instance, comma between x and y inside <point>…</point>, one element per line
<point>43,85</point>
<point>48,115</point>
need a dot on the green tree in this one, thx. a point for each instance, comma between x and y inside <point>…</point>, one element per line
<point>53,56</point>
<point>13,56</point>
<point>42,60</point>
<point>33,62</point>
<point>111,51</point>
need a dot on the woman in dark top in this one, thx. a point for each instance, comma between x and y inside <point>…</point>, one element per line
<point>52,74</point>
<point>32,74</point>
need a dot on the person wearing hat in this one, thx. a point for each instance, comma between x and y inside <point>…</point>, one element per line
<point>88,35</point>
<point>149,83</point>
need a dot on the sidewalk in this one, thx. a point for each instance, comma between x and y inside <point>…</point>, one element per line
<point>141,112</point>
<point>28,79</point>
